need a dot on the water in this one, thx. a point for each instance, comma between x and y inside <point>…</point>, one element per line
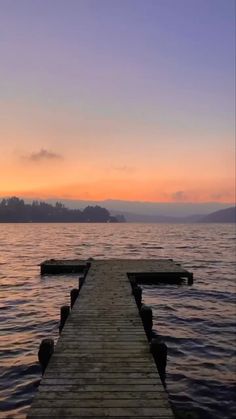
<point>197,323</point>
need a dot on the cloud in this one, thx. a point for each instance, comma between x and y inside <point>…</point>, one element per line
<point>179,196</point>
<point>221,195</point>
<point>124,169</point>
<point>43,155</point>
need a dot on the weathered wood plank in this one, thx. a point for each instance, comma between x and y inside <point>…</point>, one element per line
<point>99,368</point>
<point>101,395</point>
<point>73,403</point>
<point>102,411</point>
<point>61,415</point>
<point>93,403</point>
<point>99,380</point>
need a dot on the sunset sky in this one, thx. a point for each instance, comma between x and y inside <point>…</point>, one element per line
<point>123,99</point>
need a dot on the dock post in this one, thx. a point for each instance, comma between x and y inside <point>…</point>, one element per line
<point>159,351</point>
<point>190,279</point>
<point>88,264</point>
<point>45,352</point>
<point>146,316</point>
<point>81,282</point>
<point>137,293</point>
<point>65,311</point>
<point>73,295</point>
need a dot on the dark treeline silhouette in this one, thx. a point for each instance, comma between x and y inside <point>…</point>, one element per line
<point>15,210</point>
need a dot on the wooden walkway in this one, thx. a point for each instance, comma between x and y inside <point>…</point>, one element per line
<point>147,271</point>
<point>102,366</point>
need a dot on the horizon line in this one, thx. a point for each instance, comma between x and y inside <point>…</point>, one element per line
<point>22,196</point>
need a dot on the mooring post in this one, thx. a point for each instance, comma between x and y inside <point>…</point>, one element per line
<point>88,264</point>
<point>45,352</point>
<point>190,279</point>
<point>137,292</point>
<point>146,316</point>
<point>73,295</point>
<point>81,282</point>
<point>65,311</point>
<point>82,278</point>
<point>158,349</point>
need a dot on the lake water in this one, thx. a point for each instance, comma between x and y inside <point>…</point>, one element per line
<point>197,322</point>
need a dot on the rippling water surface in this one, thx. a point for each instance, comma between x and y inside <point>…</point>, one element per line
<point>197,322</point>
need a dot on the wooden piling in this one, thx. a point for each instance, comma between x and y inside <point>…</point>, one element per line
<point>81,282</point>
<point>137,292</point>
<point>158,349</point>
<point>45,352</point>
<point>65,311</point>
<point>190,279</point>
<point>146,316</point>
<point>73,295</point>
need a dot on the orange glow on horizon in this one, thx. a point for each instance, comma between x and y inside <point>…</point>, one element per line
<point>149,174</point>
<point>129,191</point>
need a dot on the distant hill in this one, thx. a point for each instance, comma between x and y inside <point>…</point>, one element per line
<point>165,209</point>
<point>131,217</point>
<point>227,215</point>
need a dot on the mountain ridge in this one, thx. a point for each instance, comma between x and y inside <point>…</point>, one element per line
<point>170,209</point>
<point>227,215</point>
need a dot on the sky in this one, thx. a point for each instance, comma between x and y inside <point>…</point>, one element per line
<point>118,99</point>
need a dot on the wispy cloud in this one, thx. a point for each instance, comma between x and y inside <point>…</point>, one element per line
<point>221,195</point>
<point>179,196</point>
<point>124,169</point>
<point>43,155</point>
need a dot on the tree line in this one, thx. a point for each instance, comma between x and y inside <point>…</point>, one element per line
<point>15,210</point>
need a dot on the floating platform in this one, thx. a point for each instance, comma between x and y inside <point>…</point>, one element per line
<point>146,271</point>
<point>102,366</point>
<point>62,266</point>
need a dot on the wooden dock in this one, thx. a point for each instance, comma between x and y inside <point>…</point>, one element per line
<point>147,271</point>
<point>102,366</point>
<point>56,266</point>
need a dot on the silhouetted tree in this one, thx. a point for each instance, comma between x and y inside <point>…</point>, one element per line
<point>15,210</point>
